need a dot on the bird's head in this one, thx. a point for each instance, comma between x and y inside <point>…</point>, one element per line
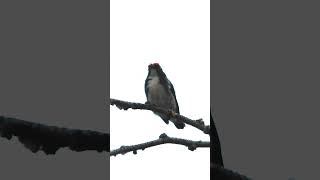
<point>155,66</point>
<point>155,69</point>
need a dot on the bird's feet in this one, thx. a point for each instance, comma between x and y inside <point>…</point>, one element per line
<point>172,113</point>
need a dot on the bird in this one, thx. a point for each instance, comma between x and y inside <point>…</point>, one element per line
<point>160,92</point>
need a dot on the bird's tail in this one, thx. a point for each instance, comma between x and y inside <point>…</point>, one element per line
<point>164,117</point>
<point>178,124</point>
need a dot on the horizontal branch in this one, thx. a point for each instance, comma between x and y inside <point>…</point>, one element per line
<point>163,139</point>
<point>37,137</point>
<point>199,124</point>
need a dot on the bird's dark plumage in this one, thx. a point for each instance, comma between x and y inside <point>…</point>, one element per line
<point>160,92</point>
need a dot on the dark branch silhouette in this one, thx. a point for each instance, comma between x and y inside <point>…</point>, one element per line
<point>218,171</point>
<point>49,139</point>
<point>221,173</point>
<point>163,139</point>
<point>199,124</point>
<point>216,155</point>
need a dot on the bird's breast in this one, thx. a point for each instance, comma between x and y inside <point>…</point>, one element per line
<point>159,96</point>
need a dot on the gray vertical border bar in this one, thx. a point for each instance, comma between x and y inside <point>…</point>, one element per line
<point>54,70</point>
<point>264,86</point>
<point>211,83</point>
<point>108,76</point>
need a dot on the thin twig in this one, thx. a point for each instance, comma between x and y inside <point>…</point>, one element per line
<point>163,139</point>
<point>199,124</point>
<point>37,136</point>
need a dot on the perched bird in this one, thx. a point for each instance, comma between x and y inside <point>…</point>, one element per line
<point>160,92</point>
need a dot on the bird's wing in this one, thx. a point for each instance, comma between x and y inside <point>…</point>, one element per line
<point>171,88</point>
<point>146,87</point>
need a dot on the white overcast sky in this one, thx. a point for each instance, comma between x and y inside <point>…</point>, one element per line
<point>176,34</point>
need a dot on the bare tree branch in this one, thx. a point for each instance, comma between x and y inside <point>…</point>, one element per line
<point>163,139</point>
<point>37,137</point>
<point>199,124</point>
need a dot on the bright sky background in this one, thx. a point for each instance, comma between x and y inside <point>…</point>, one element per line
<point>176,34</point>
